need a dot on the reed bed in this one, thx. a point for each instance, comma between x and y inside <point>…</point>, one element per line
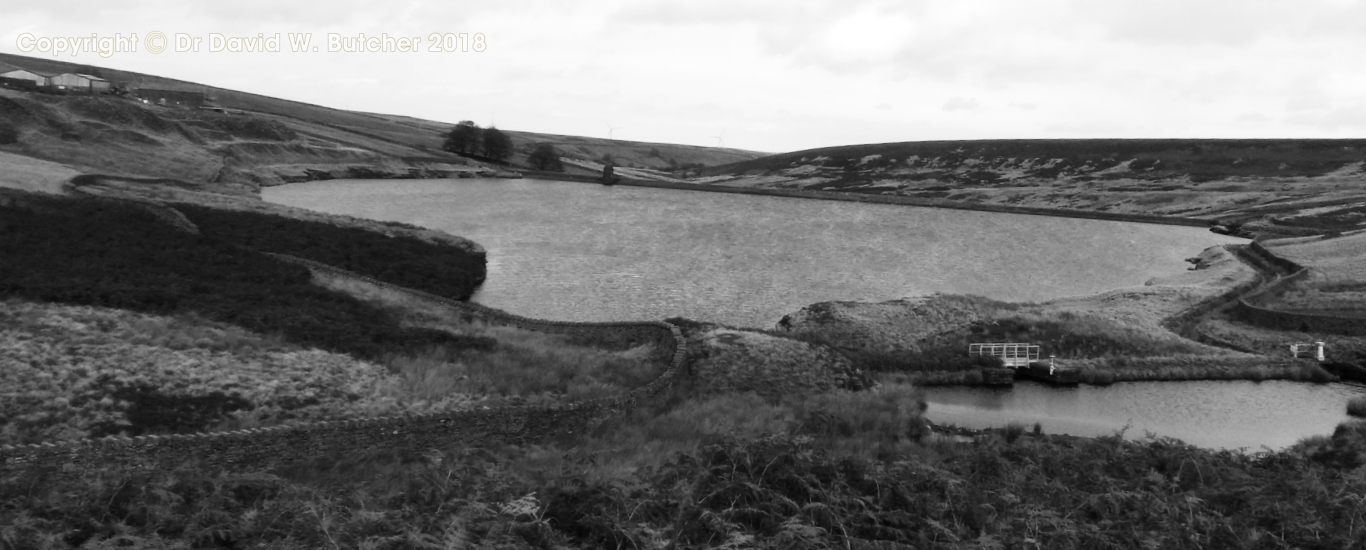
<point>1307,372</point>
<point>1357,406</point>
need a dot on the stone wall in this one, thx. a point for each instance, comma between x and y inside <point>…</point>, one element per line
<point>1253,308</point>
<point>1249,313</point>
<point>1247,302</point>
<point>1183,323</point>
<point>266,448</point>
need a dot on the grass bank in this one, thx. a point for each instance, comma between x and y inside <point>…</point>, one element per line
<point>1104,348</point>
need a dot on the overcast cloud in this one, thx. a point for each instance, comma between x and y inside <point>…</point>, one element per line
<point>786,75</point>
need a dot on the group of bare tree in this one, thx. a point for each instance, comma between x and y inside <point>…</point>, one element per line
<point>467,138</point>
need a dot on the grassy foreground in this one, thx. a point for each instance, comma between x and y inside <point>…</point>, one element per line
<point>840,470</point>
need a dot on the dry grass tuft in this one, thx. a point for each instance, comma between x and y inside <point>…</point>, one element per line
<point>879,424</point>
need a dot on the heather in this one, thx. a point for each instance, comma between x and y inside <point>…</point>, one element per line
<point>405,261</point>
<point>117,254</point>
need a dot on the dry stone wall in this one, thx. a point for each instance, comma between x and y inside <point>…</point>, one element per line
<point>266,448</point>
<point>1183,323</point>
<point>1247,301</point>
<point>1252,308</point>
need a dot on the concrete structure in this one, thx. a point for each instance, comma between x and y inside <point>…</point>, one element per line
<point>37,79</point>
<point>1314,349</point>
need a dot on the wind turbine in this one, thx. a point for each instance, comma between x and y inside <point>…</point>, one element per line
<point>720,139</point>
<point>610,129</point>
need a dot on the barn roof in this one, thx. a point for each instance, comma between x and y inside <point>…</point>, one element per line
<point>26,71</point>
<point>90,77</point>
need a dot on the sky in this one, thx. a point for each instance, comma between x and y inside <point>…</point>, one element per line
<point>773,76</point>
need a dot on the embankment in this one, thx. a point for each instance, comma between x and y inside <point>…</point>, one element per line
<point>1271,271</point>
<point>267,448</point>
<point>1248,302</point>
<point>1187,322</point>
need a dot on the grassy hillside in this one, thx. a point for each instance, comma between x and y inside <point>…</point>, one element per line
<point>631,154</point>
<point>1272,183</point>
<point>115,321</point>
<point>259,140</point>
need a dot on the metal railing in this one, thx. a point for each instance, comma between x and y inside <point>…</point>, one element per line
<point>1013,355</point>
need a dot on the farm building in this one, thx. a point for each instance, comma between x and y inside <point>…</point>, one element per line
<point>30,76</point>
<point>171,97</point>
<point>97,84</point>
<point>80,83</point>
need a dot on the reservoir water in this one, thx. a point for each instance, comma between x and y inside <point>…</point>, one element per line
<point>587,252</point>
<point>1218,414</point>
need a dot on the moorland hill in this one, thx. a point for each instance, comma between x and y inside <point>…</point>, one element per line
<point>248,140</point>
<point>1279,186</point>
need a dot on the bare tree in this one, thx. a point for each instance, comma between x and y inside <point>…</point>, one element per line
<point>496,144</point>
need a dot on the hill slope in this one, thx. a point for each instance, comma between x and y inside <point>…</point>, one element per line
<point>590,151</point>
<point>257,140</point>
<point>1241,180</point>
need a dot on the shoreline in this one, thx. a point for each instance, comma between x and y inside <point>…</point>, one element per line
<point>885,199</point>
<point>1307,373</point>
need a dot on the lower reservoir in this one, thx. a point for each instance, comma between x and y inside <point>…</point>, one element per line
<point>1217,414</point>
